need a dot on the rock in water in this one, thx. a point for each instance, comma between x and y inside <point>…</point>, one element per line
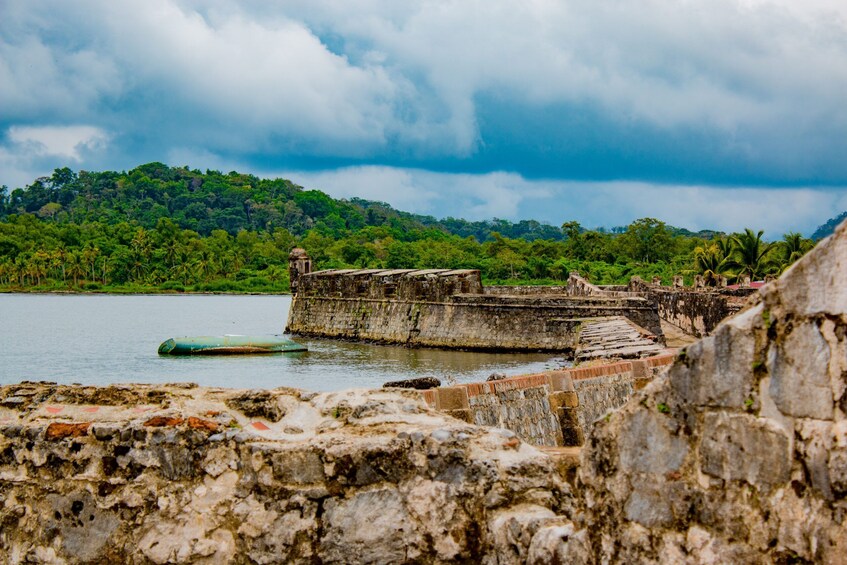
<point>420,383</point>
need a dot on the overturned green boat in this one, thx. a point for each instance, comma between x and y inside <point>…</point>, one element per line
<point>229,345</point>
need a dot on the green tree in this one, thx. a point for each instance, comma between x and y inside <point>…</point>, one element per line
<point>792,247</point>
<point>647,240</point>
<point>712,259</point>
<point>401,255</point>
<point>751,254</point>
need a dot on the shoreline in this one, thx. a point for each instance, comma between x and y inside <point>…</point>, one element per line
<point>148,293</point>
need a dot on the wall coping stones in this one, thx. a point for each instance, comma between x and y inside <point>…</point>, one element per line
<point>556,380</point>
<point>559,388</point>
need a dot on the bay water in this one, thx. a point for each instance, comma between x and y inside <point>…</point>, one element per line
<point>105,339</point>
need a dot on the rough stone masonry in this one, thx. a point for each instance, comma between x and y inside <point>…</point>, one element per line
<point>737,455</point>
<point>183,474</point>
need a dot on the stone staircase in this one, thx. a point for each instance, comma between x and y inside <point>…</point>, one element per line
<point>615,337</point>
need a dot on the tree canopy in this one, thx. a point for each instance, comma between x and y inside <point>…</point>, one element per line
<point>171,228</point>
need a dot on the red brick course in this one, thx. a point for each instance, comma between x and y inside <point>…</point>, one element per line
<point>163,421</point>
<point>59,430</point>
<point>540,379</point>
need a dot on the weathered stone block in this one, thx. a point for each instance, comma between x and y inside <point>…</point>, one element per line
<point>719,369</point>
<point>563,399</point>
<point>814,448</point>
<point>640,369</point>
<point>463,414</point>
<point>83,529</point>
<point>799,368</point>
<point>561,381</point>
<point>572,432</point>
<point>837,463</point>
<point>648,505</point>
<point>815,285</point>
<point>741,447</point>
<point>650,443</point>
<point>453,398</point>
<point>298,467</point>
<point>512,530</point>
<point>371,527</point>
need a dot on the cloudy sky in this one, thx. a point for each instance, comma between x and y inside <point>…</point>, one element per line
<point>703,113</point>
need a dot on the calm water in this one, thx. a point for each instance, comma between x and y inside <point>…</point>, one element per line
<point>94,339</point>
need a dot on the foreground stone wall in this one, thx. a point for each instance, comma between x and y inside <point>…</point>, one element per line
<point>739,455</point>
<point>464,321</point>
<point>173,474</point>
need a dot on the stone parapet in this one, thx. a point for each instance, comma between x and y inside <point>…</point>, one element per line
<point>551,408</point>
<point>738,454</point>
<point>184,474</point>
<point>697,310</point>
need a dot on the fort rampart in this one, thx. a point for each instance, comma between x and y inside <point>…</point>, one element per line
<point>736,454</point>
<point>449,308</point>
<point>696,311</point>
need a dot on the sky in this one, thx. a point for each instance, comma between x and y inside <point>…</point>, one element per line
<point>705,114</point>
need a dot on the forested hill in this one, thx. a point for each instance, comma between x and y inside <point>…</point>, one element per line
<point>829,227</point>
<point>160,228</point>
<point>203,202</point>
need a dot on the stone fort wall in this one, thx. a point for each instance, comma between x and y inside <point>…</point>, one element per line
<point>448,308</point>
<point>696,311</point>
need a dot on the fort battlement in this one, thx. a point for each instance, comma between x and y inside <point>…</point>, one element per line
<point>450,309</point>
<point>696,310</point>
<point>433,285</point>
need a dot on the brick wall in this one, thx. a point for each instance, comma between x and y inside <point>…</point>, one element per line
<point>550,408</point>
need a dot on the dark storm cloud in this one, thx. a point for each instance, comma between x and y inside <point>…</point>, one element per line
<point>723,93</point>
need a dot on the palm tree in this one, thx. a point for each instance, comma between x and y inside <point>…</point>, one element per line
<point>750,256</point>
<point>712,259</point>
<point>58,258</point>
<point>793,246</point>
<point>6,272</point>
<point>76,269</point>
<point>38,265</point>
<point>89,258</point>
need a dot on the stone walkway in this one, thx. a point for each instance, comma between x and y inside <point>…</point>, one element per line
<point>617,337</point>
<point>675,337</point>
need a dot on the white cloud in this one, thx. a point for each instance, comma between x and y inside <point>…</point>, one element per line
<point>69,142</point>
<point>29,152</point>
<point>594,204</point>
<point>230,84</point>
<point>723,62</point>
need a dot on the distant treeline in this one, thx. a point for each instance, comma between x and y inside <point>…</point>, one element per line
<point>170,228</point>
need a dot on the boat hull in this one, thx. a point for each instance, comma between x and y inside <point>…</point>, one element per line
<point>229,345</point>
